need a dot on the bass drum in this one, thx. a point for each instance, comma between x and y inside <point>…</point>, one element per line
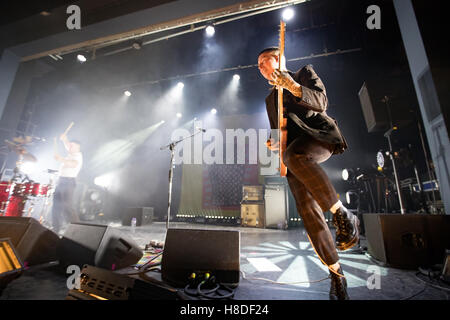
<point>5,187</point>
<point>16,206</point>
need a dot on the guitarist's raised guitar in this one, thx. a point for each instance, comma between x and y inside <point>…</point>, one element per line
<point>282,120</point>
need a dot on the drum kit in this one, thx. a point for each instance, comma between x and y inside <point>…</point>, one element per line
<point>20,196</point>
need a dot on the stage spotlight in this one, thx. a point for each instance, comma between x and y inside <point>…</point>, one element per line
<point>213,111</point>
<point>236,77</point>
<point>179,115</point>
<point>349,174</point>
<point>351,197</point>
<point>104,181</point>
<point>380,159</point>
<point>94,195</point>
<point>127,93</point>
<point>180,85</point>
<point>288,14</point>
<point>137,45</point>
<point>345,174</point>
<point>162,121</point>
<point>81,58</point>
<point>210,30</point>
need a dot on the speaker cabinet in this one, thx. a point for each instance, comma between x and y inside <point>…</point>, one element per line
<point>276,206</point>
<point>143,216</point>
<point>34,243</point>
<point>97,245</point>
<point>253,215</point>
<point>379,112</point>
<point>375,114</point>
<point>252,193</point>
<point>214,251</point>
<point>407,241</point>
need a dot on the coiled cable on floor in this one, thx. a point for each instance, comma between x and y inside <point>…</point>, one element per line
<point>197,287</point>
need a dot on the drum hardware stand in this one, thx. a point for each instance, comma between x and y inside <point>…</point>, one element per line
<point>171,147</point>
<point>14,180</point>
<point>44,213</point>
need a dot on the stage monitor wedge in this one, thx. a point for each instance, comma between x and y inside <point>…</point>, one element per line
<point>214,251</point>
<point>97,245</point>
<point>407,241</point>
<point>34,243</point>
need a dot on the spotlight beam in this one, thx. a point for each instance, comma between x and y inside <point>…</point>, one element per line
<point>116,152</point>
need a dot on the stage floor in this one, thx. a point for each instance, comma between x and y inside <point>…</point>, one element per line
<point>283,257</point>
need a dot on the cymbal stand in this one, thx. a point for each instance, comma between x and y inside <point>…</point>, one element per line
<point>48,196</point>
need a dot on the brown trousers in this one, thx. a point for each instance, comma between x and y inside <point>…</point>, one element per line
<point>313,191</point>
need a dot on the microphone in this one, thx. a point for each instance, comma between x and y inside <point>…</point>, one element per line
<point>201,129</point>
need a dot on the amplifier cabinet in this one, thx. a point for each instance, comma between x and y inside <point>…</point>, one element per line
<point>253,193</point>
<point>253,215</point>
<point>143,216</point>
<point>276,206</point>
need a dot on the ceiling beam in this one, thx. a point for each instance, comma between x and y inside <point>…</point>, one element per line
<point>202,17</point>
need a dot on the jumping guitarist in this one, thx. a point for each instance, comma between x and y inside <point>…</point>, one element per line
<point>312,137</point>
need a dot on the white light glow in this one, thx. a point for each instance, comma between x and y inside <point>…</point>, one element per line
<point>347,197</point>
<point>81,58</point>
<point>127,93</point>
<point>236,77</point>
<point>213,111</point>
<point>104,181</point>
<point>180,85</point>
<point>179,115</point>
<point>210,31</point>
<point>345,174</point>
<point>288,14</point>
<point>28,167</point>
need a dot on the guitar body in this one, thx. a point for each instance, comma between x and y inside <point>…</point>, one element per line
<point>282,119</point>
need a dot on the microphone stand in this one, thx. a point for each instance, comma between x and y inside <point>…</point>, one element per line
<point>387,135</point>
<point>171,147</point>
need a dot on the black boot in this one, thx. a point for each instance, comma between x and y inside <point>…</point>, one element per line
<point>338,288</point>
<point>347,228</point>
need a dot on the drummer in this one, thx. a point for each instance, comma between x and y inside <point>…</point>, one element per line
<point>63,197</point>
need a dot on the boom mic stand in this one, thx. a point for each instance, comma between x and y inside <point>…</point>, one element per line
<point>171,147</point>
<point>391,156</point>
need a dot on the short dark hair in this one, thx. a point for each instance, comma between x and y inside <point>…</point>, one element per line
<point>269,49</point>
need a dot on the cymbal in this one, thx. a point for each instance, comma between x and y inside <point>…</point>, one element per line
<point>23,140</point>
<point>21,151</point>
<point>29,157</point>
